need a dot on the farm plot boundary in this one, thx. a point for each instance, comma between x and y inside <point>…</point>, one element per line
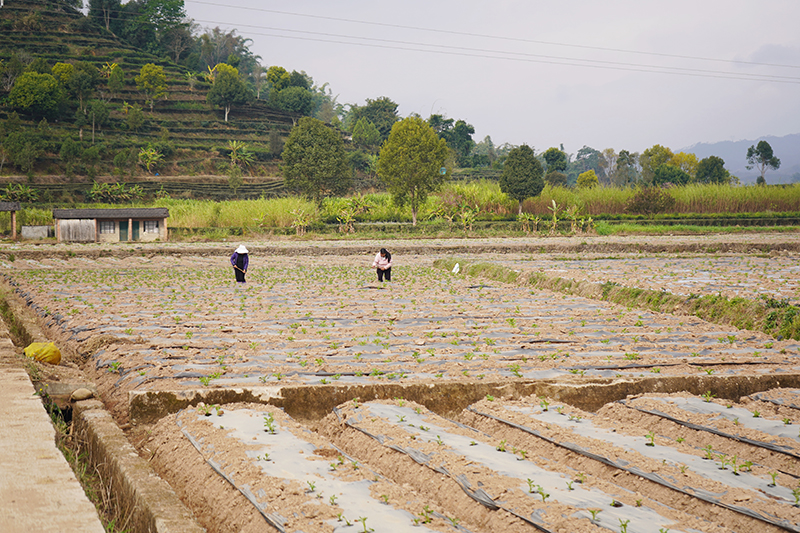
<point>775,318</point>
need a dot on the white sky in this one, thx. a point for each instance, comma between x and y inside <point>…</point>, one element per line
<point>581,88</point>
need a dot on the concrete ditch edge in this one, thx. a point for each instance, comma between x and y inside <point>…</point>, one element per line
<point>151,503</point>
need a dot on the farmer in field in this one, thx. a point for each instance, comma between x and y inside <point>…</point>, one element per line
<point>383,262</point>
<point>239,261</point>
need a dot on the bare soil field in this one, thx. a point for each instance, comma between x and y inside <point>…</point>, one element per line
<point>313,398</point>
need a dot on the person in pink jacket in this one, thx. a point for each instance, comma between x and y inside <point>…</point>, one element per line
<point>383,262</point>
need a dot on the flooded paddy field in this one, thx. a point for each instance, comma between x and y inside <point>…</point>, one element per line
<point>315,399</point>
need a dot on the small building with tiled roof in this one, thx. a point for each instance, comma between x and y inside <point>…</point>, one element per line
<point>143,224</point>
<point>11,207</point>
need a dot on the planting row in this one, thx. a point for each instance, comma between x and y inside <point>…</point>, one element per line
<point>526,465</point>
<point>752,276</point>
<point>170,326</point>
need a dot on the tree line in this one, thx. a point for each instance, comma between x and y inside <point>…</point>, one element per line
<point>81,92</point>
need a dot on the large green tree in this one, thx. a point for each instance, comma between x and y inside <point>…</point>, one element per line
<point>228,89</point>
<point>761,157</point>
<point>38,94</point>
<point>652,158</point>
<point>314,161</point>
<point>152,82</point>
<point>712,170</point>
<point>411,162</point>
<point>522,175</point>
<point>295,99</point>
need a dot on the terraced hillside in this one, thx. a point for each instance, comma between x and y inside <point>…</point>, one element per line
<point>190,133</point>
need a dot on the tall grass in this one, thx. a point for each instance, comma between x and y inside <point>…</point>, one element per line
<point>486,194</point>
<point>266,212</point>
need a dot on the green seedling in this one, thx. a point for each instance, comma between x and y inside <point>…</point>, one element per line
<point>264,457</point>
<point>708,371</point>
<point>501,447</point>
<point>385,498</point>
<point>473,443</point>
<point>453,521</point>
<point>723,461</point>
<point>530,485</point>
<point>796,494</point>
<point>679,440</point>
<point>401,418</point>
<point>747,465</point>
<point>615,503</point>
<point>774,476</point>
<point>623,525</point>
<point>542,493</point>
<point>651,437</point>
<point>580,477</point>
<point>115,367</point>
<point>426,515</point>
<point>595,512</point>
<point>787,421</point>
<point>707,396</point>
<point>204,409</point>
<point>544,404</point>
<point>439,440</point>
<point>756,414</point>
<point>332,499</point>
<point>569,485</point>
<point>489,397</point>
<point>663,530</point>
<point>363,520</point>
<point>736,421</point>
<point>269,424</point>
<point>639,502</point>
<point>708,451</point>
<point>311,486</point>
<point>515,369</point>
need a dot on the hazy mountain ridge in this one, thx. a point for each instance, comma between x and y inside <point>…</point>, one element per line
<point>786,148</point>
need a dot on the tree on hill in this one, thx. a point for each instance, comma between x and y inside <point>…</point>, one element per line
<point>381,112</point>
<point>314,161</point>
<point>38,94</point>
<point>522,175</point>
<point>712,170</point>
<point>458,135</point>
<point>411,162</point>
<point>228,89</point>
<point>295,100</point>
<point>761,157</point>
<point>152,82</point>
<point>365,134</point>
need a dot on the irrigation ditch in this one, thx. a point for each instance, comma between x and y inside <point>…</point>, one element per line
<point>299,403</point>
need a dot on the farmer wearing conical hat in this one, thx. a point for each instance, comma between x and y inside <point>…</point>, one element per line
<point>239,261</point>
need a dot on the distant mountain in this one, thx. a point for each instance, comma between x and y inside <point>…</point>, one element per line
<point>734,153</point>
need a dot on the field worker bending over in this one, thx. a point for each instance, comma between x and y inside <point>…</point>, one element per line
<point>240,260</point>
<point>383,262</point>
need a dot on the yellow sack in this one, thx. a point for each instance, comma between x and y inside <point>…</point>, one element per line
<point>44,351</point>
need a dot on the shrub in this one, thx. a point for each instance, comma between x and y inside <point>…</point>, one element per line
<point>649,200</point>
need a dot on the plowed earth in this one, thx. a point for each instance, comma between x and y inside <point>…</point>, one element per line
<point>651,463</point>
